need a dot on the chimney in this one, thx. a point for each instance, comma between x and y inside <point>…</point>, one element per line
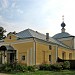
<point>14,32</point>
<point>47,36</point>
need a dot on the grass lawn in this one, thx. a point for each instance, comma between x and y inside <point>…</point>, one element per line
<point>65,72</point>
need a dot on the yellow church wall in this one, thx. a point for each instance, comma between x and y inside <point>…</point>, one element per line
<point>24,49</point>
<point>10,38</point>
<point>27,48</point>
<point>66,51</point>
<point>43,52</point>
<point>69,43</point>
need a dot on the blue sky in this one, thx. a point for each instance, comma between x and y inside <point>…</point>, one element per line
<point>40,15</point>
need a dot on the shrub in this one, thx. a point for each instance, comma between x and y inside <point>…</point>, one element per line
<point>31,68</point>
<point>36,67</point>
<point>43,67</point>
<point>51,67</point>
<point>6,67</point>
<point>24,68</point>
<point>13,68</point>
<point>56,67</point>
<point>66,65</point>
<point>20,67</point>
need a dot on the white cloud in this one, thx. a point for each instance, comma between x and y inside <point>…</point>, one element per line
<point>8,3</point>
<point>50,14</point>
<point>54,9</point>
<point>13,26</point>
<point>4,3</point>
<point>19,11</point>
<point>7,25</point>
<point>14,3</point>
<point>51,6</point>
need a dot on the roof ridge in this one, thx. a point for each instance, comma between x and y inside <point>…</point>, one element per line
<point>29,31</point>
<point>22,31</point>
<point>36,32</point>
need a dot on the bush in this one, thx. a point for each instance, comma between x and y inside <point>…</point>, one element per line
<point>66,65</point>
<point>13,68</point>
<point>31,68</point>
<point>16,67</point>
<point>56,67</point>
<point>20,67</point>
<point>51,67</point>
<point>6,67</point>
<point>36,67</point>
<point>44,67</point>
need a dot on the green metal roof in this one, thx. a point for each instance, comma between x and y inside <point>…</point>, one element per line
<point>61,35</point>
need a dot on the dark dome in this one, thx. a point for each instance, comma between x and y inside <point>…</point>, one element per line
<point>61,35</point>
<point>63,24</point>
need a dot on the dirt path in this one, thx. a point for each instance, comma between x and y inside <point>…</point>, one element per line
<point>4,74</point>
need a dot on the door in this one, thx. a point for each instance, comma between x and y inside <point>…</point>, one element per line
<point>10,57</point>
<point>0,58</point>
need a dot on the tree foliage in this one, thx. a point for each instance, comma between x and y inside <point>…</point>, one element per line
<point>2,31</point>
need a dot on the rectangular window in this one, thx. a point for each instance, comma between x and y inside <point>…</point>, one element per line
<point>50,58</point>
<point>9,37</point>
<point>50,47</point>
<point>23,57</point>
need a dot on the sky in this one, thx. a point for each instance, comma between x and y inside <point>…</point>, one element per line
<point>44,16</point>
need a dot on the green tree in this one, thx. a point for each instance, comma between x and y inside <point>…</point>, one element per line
<point>2,31</point>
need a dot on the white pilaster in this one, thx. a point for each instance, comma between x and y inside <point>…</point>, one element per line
<point>34,53</point>
<point>2,57</point>
<point>31,56</point>
<point>56,53</point>
<point>27,57</point>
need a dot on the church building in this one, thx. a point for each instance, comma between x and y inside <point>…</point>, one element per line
<point>34,48</point>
